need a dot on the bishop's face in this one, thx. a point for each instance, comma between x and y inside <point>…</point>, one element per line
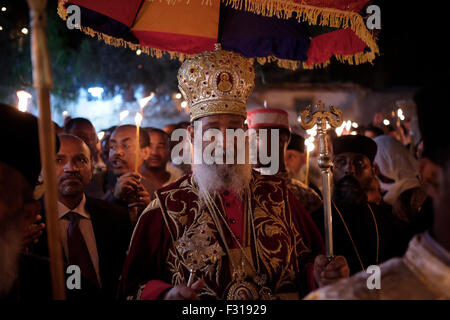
<point>220,123</point>
<point>214,176</point>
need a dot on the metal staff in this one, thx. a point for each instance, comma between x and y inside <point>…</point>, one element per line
<point>321,117</point>
<point>43,82</point>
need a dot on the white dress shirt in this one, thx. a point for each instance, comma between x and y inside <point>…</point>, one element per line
<point>86,230</point>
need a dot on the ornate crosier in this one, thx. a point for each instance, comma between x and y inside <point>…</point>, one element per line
<point>320,117</point>
<point>196,252</point>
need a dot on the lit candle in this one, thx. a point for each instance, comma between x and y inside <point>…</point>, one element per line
<point>138,119</point>
<point>123,115</point>
<point>309,143</point>
<point>307,165</point>
<point>348,126</point>
<point>339,130</point>
<point>400,114</point>
<point>23,100</point>
<point>143,102</point>
<point>101,135</point>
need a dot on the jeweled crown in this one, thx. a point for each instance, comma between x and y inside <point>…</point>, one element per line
<point>216,82</point>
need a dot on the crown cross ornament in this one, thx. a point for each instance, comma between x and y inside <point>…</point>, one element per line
<point>321,117</point>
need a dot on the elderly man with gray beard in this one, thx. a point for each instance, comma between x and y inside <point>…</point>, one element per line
<point>224,231</point>
<point>22,276</point>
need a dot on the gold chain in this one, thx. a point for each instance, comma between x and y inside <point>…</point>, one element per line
<point>376,229</point>
<point>351,239</point>
<point>214,214</point>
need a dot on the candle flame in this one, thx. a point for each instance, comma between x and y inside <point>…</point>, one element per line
<point>100,135</point>
<point>348,125</point>
<point>339,130</point>
<point>143,102</point>
<point>123,114</point>
<point>309,144</point>
<point>23,100</point>
<point>138,118</point>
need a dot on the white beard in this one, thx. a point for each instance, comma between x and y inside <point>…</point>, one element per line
<point>216,178</point>
<point>11,235</point>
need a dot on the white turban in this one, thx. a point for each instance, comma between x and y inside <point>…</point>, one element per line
<point>398,164</point>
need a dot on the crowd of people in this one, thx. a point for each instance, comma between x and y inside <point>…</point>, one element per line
<point>140,226</point>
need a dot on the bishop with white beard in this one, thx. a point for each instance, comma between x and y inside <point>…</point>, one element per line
<point>224,231</point>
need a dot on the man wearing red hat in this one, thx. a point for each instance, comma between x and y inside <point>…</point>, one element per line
<point>224,231</point>
<point>269,119</point>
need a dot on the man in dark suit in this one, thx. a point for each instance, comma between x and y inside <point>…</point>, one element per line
<point>94,233</point>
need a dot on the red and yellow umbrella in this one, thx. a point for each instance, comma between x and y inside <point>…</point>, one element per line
<point>294,33</point>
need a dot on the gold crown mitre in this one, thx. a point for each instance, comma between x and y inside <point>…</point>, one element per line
<point>216,82</point>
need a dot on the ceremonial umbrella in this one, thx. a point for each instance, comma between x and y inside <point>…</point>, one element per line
<point>293,33</point>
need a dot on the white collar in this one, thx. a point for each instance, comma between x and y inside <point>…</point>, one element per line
<point>80,209</point>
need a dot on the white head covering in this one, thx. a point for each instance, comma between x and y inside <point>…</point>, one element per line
<point>398,164</point>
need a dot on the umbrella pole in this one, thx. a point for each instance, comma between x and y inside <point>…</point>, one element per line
<point>43,82</point>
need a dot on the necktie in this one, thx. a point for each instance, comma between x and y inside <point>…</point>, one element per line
<point>78,251</point>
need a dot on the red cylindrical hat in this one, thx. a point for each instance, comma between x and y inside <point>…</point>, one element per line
<point>271,118</point>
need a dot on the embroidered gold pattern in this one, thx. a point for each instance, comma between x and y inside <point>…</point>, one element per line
<point>216,82</point>
<point>278,239</point>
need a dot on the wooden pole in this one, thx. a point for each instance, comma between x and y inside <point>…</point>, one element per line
<point>43,82</point>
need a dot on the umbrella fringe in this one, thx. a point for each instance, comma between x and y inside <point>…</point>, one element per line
<point>119,42</point>
<point>330,17</point>
<point>282,63</point>
<point>173,2</point>
<point>351,59</point>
